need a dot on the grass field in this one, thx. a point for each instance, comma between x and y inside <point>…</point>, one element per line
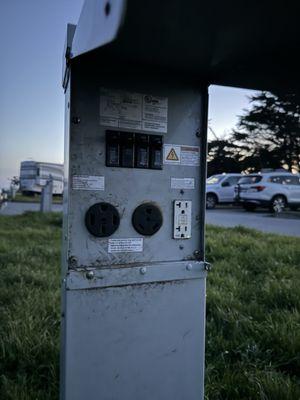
<point>253,320</point>
<point>21,198</point>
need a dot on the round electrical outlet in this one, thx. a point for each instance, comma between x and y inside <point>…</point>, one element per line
<point>102,219</point>
<point>147,219</point>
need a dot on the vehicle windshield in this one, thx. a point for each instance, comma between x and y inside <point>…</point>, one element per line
<point>213,180</point>
<point>250,179</point>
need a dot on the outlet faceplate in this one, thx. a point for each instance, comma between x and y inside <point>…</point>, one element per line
<point>182,219</point>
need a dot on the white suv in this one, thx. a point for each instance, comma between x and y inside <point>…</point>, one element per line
<point>275,190</point>
<point>220,189</point>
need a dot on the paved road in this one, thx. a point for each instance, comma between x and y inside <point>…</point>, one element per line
<point>18,208</point>
<point>287,223</point>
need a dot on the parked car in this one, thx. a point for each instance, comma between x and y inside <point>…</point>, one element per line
<point>3,197</point>
<point>220,189</point>
<point>275,190</point>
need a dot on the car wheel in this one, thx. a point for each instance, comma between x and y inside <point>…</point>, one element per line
<point>249,207</point>
<point>211,201</point>
<point>278,204</point>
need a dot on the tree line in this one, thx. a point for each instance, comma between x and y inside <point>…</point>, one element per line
<point>266,136</point>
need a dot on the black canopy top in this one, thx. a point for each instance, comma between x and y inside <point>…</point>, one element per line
<point>236,43</point>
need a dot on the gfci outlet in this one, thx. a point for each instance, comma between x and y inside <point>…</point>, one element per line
<point>182,219</point>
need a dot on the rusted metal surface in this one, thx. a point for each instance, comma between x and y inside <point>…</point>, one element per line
<point>136,342</point>
<point>130,275</point>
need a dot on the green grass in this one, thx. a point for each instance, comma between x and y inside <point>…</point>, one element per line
<point>21,198</point>
<point>253,320</point>
<point>29,306</point>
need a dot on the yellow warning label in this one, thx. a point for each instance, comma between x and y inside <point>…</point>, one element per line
<point>172,156</point>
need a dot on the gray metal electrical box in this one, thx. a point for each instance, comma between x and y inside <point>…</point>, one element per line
<point>133,270</point>
<point>134,292</point>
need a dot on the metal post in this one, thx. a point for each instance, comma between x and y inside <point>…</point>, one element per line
<point>46,196</point>
<point>13,191</point>
<point>203,166</point>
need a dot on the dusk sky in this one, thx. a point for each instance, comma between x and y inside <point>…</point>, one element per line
<point>32,35</point>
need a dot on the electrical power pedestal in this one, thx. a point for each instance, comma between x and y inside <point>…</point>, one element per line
<point>133,293</point>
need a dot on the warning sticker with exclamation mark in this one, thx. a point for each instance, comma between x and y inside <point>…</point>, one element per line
<point>172,154</point>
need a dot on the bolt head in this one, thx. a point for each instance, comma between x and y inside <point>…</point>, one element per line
<point>207,266</point>
<point>76,120</point>
<point>73,261</point>
<point>143,270</point>
<point>189,267</point>
<point>197,254</point>
<point>90,274</point>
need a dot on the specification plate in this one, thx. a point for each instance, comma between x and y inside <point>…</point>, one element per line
<point>135,111</point>
<point>87,182</point>
<point>132,245</point>
<point>182,183</point>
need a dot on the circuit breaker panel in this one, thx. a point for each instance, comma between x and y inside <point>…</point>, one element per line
<point>134,285</point>
<point>134,151</point>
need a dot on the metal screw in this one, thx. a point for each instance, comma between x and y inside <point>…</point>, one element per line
<point>76,120</point>
<point>197,254</point>
<point>90,274</point>
<point>207,266</point>
<point>73,261</point>
<point>189,267</point>
<point>143,270</point>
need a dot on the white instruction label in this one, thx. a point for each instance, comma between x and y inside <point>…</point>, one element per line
<point>190,156</point>
<point>88,182</point>
<point>155,113</point>
<point>135,111</point>
<point>182,183</point>
<point>182,155</point>
<point>133,245</point>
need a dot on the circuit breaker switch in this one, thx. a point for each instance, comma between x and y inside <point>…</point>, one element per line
<point>141,151</point>
<point>156,146</point>
<point>182,219</point>
<point>127,150</point>
<point>112,149</point>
